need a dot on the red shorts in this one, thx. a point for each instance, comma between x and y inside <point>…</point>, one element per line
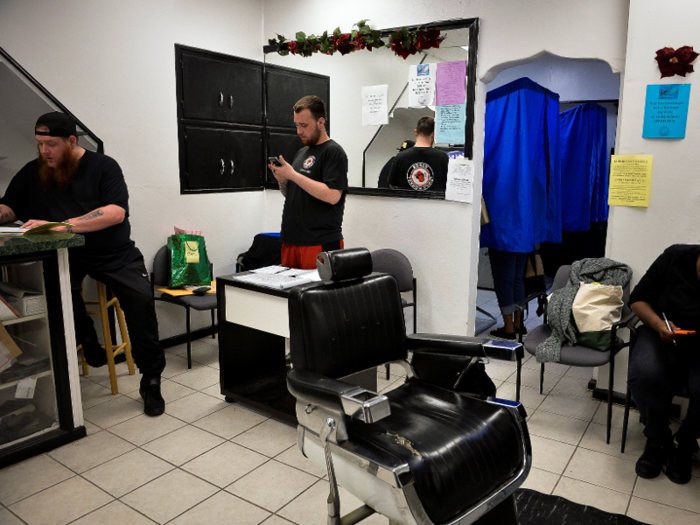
<point>304,257</point>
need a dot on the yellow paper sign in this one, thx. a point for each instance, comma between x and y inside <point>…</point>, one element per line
<point>630,180</point>
<point>191,252</point>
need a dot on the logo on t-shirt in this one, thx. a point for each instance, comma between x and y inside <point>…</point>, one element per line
<point>310,161</point>
<point>420,176</point>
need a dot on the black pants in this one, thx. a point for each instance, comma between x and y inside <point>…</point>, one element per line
<point>658,371</point>
<point>133,289</point>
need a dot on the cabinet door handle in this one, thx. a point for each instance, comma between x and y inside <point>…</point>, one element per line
<point>233,167</point>
<point>221,99</point>
<point>230,101</point>
<point>223,167</point>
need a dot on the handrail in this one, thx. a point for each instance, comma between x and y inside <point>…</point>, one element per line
<point>54,100</point>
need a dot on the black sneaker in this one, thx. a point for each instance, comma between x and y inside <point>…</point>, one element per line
<point>500,333</point>
<point>650,463</point>
<point>95,355</point>
<point>521,329</point>
<point>679,468</point>
<point>153,402</point>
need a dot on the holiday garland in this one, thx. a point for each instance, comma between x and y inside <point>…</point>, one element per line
<point>402,42</point>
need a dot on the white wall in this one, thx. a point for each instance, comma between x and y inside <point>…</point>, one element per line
<point>441,238</point>
<point>637,236</point>
<point>113,65</point>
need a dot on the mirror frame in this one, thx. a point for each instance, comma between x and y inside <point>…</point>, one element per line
<point>444,25</point>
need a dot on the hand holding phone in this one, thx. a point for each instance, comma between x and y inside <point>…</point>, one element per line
<point>275,161</point>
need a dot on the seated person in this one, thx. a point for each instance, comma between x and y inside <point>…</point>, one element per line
<point>383,181</point>
<point>421,168</point>
<point>67,183</point>
<point>663,361</point>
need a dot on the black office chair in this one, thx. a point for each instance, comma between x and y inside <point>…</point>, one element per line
<point>422,454</point>
<point>578,355</point>
<point>397,264</point>
<point>160,277</point>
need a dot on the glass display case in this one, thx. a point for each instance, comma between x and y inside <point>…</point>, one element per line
<point>39,386</point>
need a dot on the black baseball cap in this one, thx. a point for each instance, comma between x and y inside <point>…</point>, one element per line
<point>59,124</point>
<point>406,144</point>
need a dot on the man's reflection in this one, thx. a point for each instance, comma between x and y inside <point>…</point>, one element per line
<point>420,168</point>
<point>386,170</point>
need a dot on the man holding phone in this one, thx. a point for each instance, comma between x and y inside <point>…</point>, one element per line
<point>314,186</point>
<point>665,358</point>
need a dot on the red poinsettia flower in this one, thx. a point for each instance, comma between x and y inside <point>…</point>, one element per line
<point>292,47</point>
<point>428,39</point>
<point>675,61</point>
<point>399,47</point>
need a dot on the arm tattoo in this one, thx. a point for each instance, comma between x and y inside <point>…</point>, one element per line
<point>5,214</point>
<point>91,215</point>
<point>69,229</point>
<point>283,188</point>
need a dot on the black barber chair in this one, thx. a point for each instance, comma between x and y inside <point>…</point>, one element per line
<point>422,454</point>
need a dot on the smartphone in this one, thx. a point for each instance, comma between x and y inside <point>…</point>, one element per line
<point>274,160</point>
<point>684,332</point>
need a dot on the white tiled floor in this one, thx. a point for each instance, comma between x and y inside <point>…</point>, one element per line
<point>206,461</point>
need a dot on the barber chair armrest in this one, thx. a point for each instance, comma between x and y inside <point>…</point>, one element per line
<point>337,396</point>
<point>446,344</point>
<point>457,345</point>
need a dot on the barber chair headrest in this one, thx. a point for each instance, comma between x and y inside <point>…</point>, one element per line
<point>339,265</point>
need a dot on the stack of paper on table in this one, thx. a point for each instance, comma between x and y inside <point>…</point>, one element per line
<point>279,277</point>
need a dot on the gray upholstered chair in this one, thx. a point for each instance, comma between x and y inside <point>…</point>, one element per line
<point>578,355</point>
<point>397,264</point>
<point>424,453</point>
<point>160,277</point>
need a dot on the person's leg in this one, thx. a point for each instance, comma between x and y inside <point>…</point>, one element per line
<point>503,270</point>
<point>651,379</point>
<point>519,288</point>
<point>85,333</point>
<point>679,468</point>
<point>131,286</point>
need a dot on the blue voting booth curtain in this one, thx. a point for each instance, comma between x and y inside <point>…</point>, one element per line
<point>584,166</point>
<point>522,181</point>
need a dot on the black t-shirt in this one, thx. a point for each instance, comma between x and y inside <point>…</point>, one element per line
<point>98,182</point>
<point>420,169</point>
<point>306,220</point>
<point>671,286</point>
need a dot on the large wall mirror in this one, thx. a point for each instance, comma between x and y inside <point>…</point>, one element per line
<point>370,147</point>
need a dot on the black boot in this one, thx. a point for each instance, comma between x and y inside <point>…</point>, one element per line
<point>653,459</point>
<point>153,402</point>
<point>679,469</point>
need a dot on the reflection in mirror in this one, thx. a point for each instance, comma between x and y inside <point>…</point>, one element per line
<point>370,147</point>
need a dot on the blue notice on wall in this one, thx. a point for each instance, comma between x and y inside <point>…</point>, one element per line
<point>666,111</point>
<point>449,124</point>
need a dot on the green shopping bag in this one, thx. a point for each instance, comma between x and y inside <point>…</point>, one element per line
<point>189,263</point>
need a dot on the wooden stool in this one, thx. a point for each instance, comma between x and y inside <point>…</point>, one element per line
<point>111,349</point>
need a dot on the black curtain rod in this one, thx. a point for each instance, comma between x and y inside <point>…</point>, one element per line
<point>607,101</point>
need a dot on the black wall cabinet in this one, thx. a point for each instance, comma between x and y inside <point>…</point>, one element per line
<point>232,114</point>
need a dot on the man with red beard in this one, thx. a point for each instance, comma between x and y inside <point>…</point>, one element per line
<point>67,183</point>
<point>314,187</point>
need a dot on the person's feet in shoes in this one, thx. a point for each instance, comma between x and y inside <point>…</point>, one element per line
<point>95,355</point>
<point>500,333</point>
<point>153,402</point>
<point>680,463</point>
<point>651,462</point>
<point>521,330</point>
